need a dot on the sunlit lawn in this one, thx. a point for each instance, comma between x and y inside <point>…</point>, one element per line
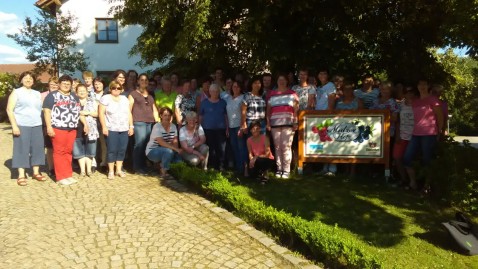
<point>404,228</point>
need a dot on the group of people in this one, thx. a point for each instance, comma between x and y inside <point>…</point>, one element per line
<point>212,122</point>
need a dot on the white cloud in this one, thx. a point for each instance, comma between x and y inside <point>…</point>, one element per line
<point>11,55</point>
<point>9,23</point>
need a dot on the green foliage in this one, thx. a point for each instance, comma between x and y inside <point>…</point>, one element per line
<point>336,246</point>
<point>8,82</point>
<point>348,36</point>
<point>461,91</point>
<point>455,175</point>
<point>49,43</point>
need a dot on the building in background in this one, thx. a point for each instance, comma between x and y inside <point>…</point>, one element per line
<point>100,37</point>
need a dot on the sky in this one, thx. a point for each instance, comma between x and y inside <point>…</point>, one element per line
<point>12,16</point>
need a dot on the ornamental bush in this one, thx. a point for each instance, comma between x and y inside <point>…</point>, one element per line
<point>336,247</point>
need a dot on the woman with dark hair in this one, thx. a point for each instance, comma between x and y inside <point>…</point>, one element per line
<point>117,124</point>
<point>131,81</point>
<point>184,103</point>
<point>99,91</point>
<point>213,118</point>
<point>236,137</point>
<point>145,114</point>
<point>282,121</point>
<point>62,113</point>
<point>24,112</point>
<point>175,87</point>
<point>427,129</point>
<point>260,157</point>
<point>253,106</point>
<point>120,77</point>
<point>163,143</point>
<point>203,93</point>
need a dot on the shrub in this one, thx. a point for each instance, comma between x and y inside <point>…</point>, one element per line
<point>337,247</point>
<point>455,174</point>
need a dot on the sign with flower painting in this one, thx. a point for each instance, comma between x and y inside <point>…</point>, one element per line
<point>344,136</point>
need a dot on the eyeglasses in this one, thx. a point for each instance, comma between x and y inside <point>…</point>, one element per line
<point>115,88</point>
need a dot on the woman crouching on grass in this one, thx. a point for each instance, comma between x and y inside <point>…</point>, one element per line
<point>260,156</point>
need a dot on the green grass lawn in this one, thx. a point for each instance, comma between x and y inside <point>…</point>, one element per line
<point>403,228</point>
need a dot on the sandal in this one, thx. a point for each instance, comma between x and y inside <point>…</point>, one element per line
<point>111,175</point>
<point>21,181</point>
<point>121,174</point>
<point>38,177</point>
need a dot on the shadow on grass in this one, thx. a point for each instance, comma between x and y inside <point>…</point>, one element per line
<point>335,203</point>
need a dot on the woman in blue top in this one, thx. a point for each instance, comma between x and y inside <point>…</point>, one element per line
<point>213,119</point>
<point>24,112</point>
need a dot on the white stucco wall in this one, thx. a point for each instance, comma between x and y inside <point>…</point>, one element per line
<point>103,56</point>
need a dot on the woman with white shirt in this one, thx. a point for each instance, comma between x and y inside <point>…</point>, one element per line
<point>117,124</point>
<point>193,141</point>
<point>236,137</point>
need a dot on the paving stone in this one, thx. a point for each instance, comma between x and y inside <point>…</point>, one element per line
<point>130,223</point>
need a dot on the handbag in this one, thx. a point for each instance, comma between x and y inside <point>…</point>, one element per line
<point>464,233</point>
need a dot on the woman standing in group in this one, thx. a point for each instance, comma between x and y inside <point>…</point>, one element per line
<point>145,114</point>
<point>184,103</point>
<point>117,124</point>
<point>203,93</point>
<point>427,129</point>
<point>213,118</point>
<point>253,106</point>
<point>282,121</point>
<point>192,138</point>
<point>120,77</point>
<point>237,139</point>
<point>99,91</point>
<point>163,143</point>
<point>62,113</point>
<point>84,149</point>
<point>24,113</point>
<point>52,86</point>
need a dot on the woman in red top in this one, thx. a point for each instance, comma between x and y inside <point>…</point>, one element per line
<point>260,156</point>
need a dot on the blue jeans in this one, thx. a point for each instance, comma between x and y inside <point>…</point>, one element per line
<point>239,148</point>
<point>142,131</point>
<point>216,140</point>
<point>165,156</point>
<point>116,144</point>
<point>425,144</point>
<point>84,148</point>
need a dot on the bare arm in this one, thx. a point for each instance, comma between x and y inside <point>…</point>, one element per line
<point>164,144</point>
<point>12,102</point>
<point>102,111</point>
<point>331,101</point>
<point>131,102</point>
<point>268,117</point>
<point>311,101</point>
<point>155,113</point>
<point>243,118</point>
<point>440,121</point>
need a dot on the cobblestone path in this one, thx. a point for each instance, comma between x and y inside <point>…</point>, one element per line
<point>137,222</point>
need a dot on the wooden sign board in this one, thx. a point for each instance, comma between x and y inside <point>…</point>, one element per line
<point>344,136</point>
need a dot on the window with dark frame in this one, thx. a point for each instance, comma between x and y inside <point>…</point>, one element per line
<point>106,30</point>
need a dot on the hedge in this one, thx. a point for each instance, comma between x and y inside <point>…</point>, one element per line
<point>333,246</point>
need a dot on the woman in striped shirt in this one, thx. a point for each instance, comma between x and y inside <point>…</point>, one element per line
<point>163,143</point>
<point>282,108</point>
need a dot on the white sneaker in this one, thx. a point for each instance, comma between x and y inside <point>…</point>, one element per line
<point>64,182</point>
<point>285,175</point>
<point>329,174</point>
<point>72,180</point>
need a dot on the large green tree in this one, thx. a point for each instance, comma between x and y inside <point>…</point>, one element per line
<point>349,36</point>
<point>49,43</point>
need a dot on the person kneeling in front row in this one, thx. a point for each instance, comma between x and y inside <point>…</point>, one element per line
<point>163,143</point>
<point>194,150</point>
